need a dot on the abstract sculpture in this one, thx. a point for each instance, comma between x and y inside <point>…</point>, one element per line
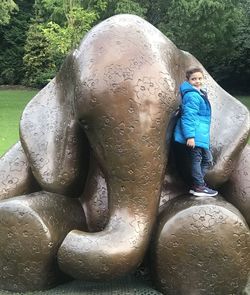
<point>85,192</point>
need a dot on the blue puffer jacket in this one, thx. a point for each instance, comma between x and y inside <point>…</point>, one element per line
<point>195,117</point>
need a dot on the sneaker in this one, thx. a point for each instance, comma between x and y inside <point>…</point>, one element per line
<point>203,191</point>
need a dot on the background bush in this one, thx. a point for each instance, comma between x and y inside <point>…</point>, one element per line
<point>36,35</point>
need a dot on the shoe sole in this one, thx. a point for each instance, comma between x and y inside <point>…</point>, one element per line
<point>197,194</point>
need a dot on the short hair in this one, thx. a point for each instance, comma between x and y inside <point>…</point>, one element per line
<point>193,70</point>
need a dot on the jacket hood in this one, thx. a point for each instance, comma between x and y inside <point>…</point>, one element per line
<point>186,87</point>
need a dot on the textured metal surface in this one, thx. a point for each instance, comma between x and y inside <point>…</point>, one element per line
<point>237,189</point>
<point>202,246</point>
<point>106,114</point>
<point>124,94</point>
<point>53,141</point>
<point>15,174</point>
<point>32,228</point>
<point>95,198</point>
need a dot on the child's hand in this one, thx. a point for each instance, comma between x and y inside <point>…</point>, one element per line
<point>190,142</point>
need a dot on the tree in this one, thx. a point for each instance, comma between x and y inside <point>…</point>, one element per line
<point>6,8</point>
<point>13,38</point>
<point>235,70</point>
<point>157,11</point>
<point>215,31</point>
<point>66,36</point>
<point>59,25</point>
<point>130,6</point>
<point>40,65</point>
<point>202,27</point>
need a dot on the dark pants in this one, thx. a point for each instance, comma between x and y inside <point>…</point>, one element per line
<point>192,163</point>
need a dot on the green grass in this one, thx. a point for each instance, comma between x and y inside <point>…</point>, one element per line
<point>12,103</point>
<point>245,100</point>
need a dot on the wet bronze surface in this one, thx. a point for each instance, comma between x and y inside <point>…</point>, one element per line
<point>123,103</point>
<point>53,141</point>
<point>97,133</point>
<point>32,228</point>
<point>15,174</point>
<point>201,247</point>
<point>237,188</point>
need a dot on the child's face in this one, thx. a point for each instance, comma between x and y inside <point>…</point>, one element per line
<point>196,79</point>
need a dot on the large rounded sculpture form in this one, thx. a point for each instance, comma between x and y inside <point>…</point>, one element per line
<point>90,187</point>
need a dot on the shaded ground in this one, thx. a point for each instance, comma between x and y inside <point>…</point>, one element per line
<point>126,286</point>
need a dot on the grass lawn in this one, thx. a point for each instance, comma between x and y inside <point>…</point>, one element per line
<point>12,103</point>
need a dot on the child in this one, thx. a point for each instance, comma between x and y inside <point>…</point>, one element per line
<point>192,133</point>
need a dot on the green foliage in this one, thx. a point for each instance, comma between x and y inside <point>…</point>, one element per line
<point>214,31</point>
<point>204,28</point>
<point>156,11</point>
<point>64,38</point>
<point>112,7</point>
<point>217,32</point>
<point>64,23</point>
<point>40,65</point>
<point>6,8</point>
<point>130,6</point>
<point>13,38</point>
<point>235,69</point>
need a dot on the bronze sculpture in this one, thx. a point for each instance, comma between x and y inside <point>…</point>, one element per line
<point>95,138</point>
